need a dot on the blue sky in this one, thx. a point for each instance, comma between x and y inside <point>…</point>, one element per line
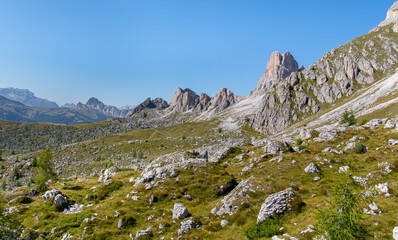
<point>122,51</point>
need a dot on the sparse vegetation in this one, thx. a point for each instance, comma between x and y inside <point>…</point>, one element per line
<point>344,219</point>
<point>268,228</point>
<point>348,118</point>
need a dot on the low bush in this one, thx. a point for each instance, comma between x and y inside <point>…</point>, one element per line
<point>360,148</point>
<point>348,118</point>
<point>268,228</point>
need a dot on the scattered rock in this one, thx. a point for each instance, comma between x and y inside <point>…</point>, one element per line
<point>224,223</point>
<point>373,209</point>
<point>390,124</point>
<point>312,168</point>
<point>278,203</point>
<point>395,233</point>
<point>382,188</point>
<point>145,232</point>
<point>180,211</point>
<point>306,134</point>
<point>344,169</point>
<point>107,174</point>
<point>75,208</point>
<point>392,142</point>
<point>316,179</point>
<point>186,226</point>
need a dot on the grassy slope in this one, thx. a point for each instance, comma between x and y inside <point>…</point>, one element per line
<point>201,184</point>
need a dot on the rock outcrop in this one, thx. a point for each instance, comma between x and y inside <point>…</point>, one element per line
<point>337,74</point>
<point>392,17</point>
<point>223,99</point>
<point>279,66</point>
<point>157,103</point>
<point>279,203</point>
<point>180,211</point>
<point>184,100</point>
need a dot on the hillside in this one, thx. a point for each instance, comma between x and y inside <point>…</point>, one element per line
<point>26,97</point>
<point>15,111</point>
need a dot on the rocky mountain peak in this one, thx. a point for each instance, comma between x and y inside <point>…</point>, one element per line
<point>279,67</point>
<point>393,11</point>
<point>223,99</point>
<point>392,17</point>
<point>158,103</point>
<point>95,103</point>
<point>184,100</point>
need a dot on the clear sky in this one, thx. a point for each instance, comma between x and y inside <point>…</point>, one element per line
<point>122,51</point>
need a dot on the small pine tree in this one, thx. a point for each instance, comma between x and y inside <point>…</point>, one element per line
<point>348,117</point>
<point>44,171</point>
<point>344,219</point>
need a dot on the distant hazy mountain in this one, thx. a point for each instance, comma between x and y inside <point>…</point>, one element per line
<point>15,111</point>
<point>69,105</point>
<point>94,103</point>
<point>26,97</point>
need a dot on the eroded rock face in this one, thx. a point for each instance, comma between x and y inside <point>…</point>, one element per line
<point>392,17</point>
<point>279,67</point>
<point>279,203</point>
<point>158,103</point>
<point>223,99</point>
<point>184,100</point>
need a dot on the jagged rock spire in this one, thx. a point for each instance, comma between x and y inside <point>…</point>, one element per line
<point>279,67</point>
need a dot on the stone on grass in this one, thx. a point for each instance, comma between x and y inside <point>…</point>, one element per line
<point>311,169</point>
<point>224,223</point>
<point>180,211</point>
<point>186,226</point>
<point>395,233</point>
<point>278,203</point>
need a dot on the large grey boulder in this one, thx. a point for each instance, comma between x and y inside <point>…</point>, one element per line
<point>395,233</point>
<point>57,197</point>
<point>60,200</point>
<point>180,211</point>
<point>311,169</point>
<point>278,203</point>
<point>186,226</point>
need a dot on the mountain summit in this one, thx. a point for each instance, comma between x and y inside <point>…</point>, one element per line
<point>279,67</point>
<point>392,17</point>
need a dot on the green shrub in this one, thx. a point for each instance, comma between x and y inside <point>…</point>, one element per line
<point>44,172</point>
<point>344,218</point>
<point>268,228</point>
<point>364,121</point>
<point>299,141</point>
<point>106,190</point>
<point>360,148</point>
<point>348,118</point>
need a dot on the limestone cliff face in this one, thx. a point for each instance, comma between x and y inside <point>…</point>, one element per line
<point>279,66</point>
<point>391,18</point>
<point>186,100</point>
<point>157,103</point>
<point>223,99</point>
<point>183,100</point>
<point>339,73</point>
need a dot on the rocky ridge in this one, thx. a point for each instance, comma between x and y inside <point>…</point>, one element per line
<point>94,103</point>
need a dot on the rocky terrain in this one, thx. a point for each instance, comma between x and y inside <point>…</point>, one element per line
<point>307,146</point>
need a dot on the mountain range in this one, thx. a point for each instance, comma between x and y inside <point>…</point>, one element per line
<point>310,153</point>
